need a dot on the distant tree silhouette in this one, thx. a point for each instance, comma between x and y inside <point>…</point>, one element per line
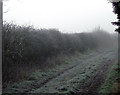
<point>116,10</point>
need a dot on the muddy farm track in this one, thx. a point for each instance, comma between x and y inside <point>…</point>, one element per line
<point>82,76</point>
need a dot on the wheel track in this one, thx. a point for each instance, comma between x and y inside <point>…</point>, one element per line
<point>91,86</point>
<point>37,86</point>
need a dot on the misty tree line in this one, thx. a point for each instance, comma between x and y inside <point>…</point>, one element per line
<point>24,44</point>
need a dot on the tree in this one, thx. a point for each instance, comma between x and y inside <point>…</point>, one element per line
<point>116,10</point>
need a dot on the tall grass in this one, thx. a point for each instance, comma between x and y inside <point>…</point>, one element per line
<point>26,47</point>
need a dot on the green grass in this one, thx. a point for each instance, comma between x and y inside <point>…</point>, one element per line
<point>110,80</point>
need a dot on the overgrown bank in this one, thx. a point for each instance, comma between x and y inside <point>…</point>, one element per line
<point>26,48</point>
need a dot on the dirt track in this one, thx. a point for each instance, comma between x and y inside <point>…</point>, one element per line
<point>95,81</point>
<point>85,76</point>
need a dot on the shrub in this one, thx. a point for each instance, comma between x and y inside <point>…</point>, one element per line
<point>23,46</point>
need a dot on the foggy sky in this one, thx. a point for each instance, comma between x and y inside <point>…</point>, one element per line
<point>65,15</point>
<point>114,0</point>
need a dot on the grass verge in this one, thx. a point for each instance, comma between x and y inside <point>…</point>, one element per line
<point>112,82</point>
